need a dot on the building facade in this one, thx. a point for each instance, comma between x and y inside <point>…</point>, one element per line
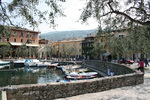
<point>21,40</point>
<point>68,48</point>
<point>43,41</point>
<point>87,46</point>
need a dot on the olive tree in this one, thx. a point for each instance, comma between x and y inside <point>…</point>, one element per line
<point>21,51</point>
<point>30,12</point>
<point>5,50</point>
<point>118,13</point>
<point>50,51</point>
<point>139,38</point>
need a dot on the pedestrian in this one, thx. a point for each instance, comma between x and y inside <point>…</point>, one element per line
<point>146,62</point>
<point>141,66</point>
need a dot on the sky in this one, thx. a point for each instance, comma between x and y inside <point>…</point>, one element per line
<point>70,22</point>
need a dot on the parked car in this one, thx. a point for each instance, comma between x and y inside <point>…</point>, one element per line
<point>126,61</point>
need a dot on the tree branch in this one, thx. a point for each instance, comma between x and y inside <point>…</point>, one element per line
<point>3,10</point>
<point>127,16</point>
<point>131,19</point>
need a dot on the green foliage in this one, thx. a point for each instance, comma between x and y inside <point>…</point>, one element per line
<point>50,51</point>
<point>140,39</point>
<point>5,50</point>
<point>4,31</point>
<point>31,13</point>
<point>98,49</point>
<point>136,41</point>
<point>87,48</point>
<point>118,14</point>
<point>68,51</point>
<point>24,51</point>
<point>0,95</point>
<point>4,44</point>
<point>21,51</point>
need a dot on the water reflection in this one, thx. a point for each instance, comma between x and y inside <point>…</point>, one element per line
<point>30,76</point>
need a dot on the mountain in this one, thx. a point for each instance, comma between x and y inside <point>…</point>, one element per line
<point>61,35</point>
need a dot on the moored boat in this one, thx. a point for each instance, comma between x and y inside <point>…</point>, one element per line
<point>4,64</point>
<point>19,63</point>
<point>82,75</point>
<point>52,65</point>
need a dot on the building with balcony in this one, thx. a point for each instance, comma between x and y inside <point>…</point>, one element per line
<point>21,37</point>
<point>87,46</point>
<point>43,41</point>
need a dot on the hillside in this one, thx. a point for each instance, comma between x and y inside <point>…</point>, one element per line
<point>60,35</point>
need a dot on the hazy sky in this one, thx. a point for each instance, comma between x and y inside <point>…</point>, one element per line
<point>70,22</point>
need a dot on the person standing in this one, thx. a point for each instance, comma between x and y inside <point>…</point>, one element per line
<point>141,66</point>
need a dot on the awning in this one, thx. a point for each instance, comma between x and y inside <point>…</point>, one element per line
<point>106,54</point>
<point>19,44</point>
<point>15,44</point>
<point>32,45</point>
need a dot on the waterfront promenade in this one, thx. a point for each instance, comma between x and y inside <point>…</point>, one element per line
<point>137,92</point>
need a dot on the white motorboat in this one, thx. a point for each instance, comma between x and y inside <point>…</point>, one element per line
<point>49,65</point>
<point>82,75</point>
<point>38,63</point>
<point>19,63</point>
<point>4,64</point>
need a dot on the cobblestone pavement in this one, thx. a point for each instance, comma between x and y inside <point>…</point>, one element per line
<point>137,92</point>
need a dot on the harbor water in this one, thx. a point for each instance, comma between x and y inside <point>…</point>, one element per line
<point>29,76</point>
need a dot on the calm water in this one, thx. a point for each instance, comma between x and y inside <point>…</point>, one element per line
<point>30,76</point>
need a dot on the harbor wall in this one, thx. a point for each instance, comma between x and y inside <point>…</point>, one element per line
<point>51,91</point>
<point>104,67</point>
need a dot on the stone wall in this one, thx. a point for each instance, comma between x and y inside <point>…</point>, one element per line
<point>104,66</point>
<point>65,89</point>
<point>51,91</point>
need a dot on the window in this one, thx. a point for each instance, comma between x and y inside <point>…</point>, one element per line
<point>34,35</point>
<point>120,36</point>
<point>22,40</point>
<point>33,41</point>
<point>15,40</point>
<point>27,35</point>
<point>29,41</point>
<point>21,34</point>
<point>7,39</point>
<point>15,33</point>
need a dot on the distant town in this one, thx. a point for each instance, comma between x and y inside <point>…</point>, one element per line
<point>25,43</point>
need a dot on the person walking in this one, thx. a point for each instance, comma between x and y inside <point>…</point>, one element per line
<point>146,62</point>
<point>141,66</point>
